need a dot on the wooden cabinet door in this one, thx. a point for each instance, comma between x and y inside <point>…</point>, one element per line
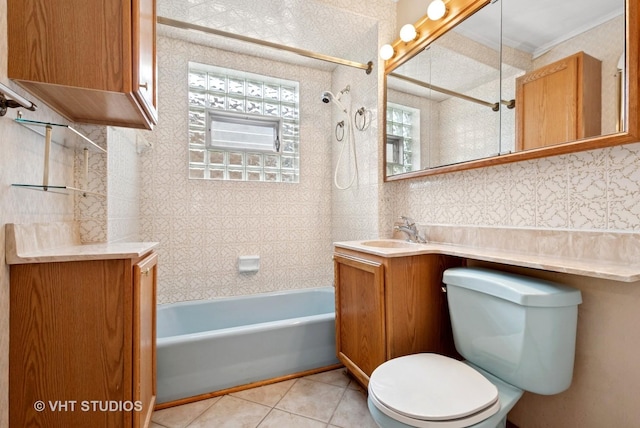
<point>67,344</point>
<point>144,52</point>
<point>360,315</point>
<point>144,338</point>
<point>559,102</point>
<point>548,110</point>
<point>91,61</point>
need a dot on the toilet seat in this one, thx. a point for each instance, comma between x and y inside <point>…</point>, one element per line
<point>431,390</point>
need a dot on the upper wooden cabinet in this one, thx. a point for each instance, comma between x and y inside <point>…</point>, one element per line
<point>91,61</point>
<point>559,102</point>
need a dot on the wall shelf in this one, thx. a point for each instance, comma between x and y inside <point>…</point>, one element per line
<point>65,190</point>
<point>65,136</point>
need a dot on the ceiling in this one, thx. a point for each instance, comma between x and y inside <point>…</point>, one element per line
<point>304,24</point>
<point>536,26</point>
<point>529,25</point>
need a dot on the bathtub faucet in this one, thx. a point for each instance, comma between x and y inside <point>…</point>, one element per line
<point>411,230</point>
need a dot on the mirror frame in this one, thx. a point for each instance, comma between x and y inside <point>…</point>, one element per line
<point>458,11</point>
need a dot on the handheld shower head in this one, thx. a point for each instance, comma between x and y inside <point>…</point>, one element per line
<point>327,97</point>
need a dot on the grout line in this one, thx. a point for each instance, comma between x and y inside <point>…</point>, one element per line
<point>265,416</point>
<point>286,392</point>
<point>248,401</point>
<point>328,422</point>
<point>344,392</point>
<point>202,412</point>
<point>271,408</point>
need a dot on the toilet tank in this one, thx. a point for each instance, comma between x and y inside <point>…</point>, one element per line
<point>520,329</point>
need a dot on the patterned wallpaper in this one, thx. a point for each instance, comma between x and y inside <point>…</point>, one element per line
<point>355,211</point>
<point>203,226</point>
<point>329,27</point>
<point>115,174</point>
<point>91,210</point>
<point>123,183</point>
<point>593,190</point>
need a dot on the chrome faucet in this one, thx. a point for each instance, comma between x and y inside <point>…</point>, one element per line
<point>410,229</point>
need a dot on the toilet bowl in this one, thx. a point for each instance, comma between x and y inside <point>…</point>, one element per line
<point>516,333</point>
<point>483,406</point>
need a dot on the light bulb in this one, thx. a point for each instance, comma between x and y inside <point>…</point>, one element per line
<point>386,52</point>
<point>408,33</point>
<point>436,10</point>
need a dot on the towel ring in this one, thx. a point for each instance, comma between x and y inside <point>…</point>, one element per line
<point>340,125</point>
<point>366,121</point>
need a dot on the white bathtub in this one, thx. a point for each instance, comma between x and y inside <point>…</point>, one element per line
<point>211,345</point>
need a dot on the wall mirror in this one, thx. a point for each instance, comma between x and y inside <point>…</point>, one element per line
<point>507,80</point>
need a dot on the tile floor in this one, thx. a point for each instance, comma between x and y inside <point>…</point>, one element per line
<point>324,400</point>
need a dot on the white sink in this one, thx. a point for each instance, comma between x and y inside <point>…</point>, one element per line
<point>390,244</point>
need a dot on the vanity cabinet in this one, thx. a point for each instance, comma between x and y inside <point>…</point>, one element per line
<point>82,343</point>
<point>91,61</point>
<point>387,307</point>
<point>559,102</point>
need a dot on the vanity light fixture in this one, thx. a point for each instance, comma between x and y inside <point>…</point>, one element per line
<point>408,33</point>
<point>387,52</point>
<point>436,10</point>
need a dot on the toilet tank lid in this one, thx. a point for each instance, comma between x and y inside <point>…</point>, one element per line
<point>519,289</point>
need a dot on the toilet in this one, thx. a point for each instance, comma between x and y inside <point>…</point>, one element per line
<point>516,334</point>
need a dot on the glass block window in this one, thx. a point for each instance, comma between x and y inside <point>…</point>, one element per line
<point>242,126</point>
<point>403,139</point>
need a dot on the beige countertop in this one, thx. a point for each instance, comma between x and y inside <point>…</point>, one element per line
<point>82,252</point>
<point>59,242</point>
<point>624,272</point>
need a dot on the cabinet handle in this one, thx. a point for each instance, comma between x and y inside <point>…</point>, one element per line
<point>144,85</point>
<point>146,272</point>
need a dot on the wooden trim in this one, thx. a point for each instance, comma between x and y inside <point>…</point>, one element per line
<point>143,309</point>
<point>632,118</point>
<point>560,149</point>
<point>360,376</point>
<point>244,387</point>
<point>127,346</point>
<point>633,68</point>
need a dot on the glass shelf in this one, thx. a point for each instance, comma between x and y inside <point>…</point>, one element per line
<point>66,136</point>
<point>65,190</point>
<point>63,135</point>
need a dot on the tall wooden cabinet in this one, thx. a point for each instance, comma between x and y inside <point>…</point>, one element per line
<point>91,61</point>
<point>82,343</point>
<point>387,307</point>
<point>559,102</point>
